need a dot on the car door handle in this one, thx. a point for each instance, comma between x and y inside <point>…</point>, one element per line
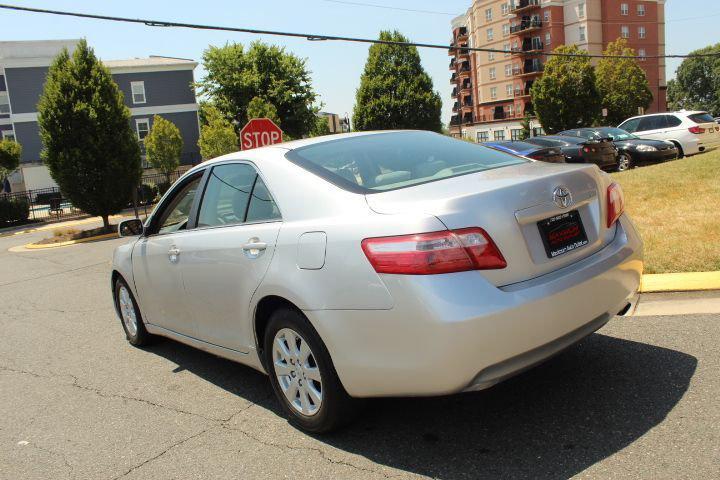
<point>173,254</point>
<point>254,248</point>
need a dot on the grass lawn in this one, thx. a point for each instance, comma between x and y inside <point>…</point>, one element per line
<point>676,206</point>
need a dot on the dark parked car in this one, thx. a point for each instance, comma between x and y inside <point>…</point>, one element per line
<point>536,152</point>
<point>580,150</point>
<point>632,150</point>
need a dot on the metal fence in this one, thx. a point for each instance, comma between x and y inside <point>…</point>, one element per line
<point>49,204</point>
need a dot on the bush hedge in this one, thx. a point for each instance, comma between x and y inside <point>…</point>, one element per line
<point>13,211</point>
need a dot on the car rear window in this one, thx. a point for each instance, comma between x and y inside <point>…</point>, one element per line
<point>517,146</point>
<point>388,161</point>
<point>546,142</point>
<point>701,118</point>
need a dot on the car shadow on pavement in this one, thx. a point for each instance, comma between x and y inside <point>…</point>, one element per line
<point>551,422</point>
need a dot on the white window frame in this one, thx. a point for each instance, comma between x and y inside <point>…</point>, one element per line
<point>506,47</point>
<point>141,85</point>
<point>9,134</point>
<point>138,121</point>
<point>642,33</point>
<point>624,9</point>
<point>490,35</point>
<point>510,110</point>
<point>493,93</point>
<point>491,56</point>
<point>488,15</point>
<point>642,55</point>
<point>583,33</point>
<point>4,94</point>
<point>625,31</point>
<point>509,90</point>
<point>641,10</point>
<point>505,8</point>
<point>492,73</point>
<point>581,10</point>
<point>506,29</point>
<point>546,17</point>
<point>548,38</point>
<point>508,70</point>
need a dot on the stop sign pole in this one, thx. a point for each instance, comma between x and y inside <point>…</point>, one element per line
<point>259,132</point>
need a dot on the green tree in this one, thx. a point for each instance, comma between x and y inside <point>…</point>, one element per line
<point>526,131</point>
<point>235,76</point>
<point>322,127</point>
<point>566,95</point>
<point>395,91</point>
<point>89,147</point>
<point>10,153</point>
<point>621,83</point>
<point>259,108</point>
<point>697,83</point>
<point>217,135</point>
<point>163,146</point>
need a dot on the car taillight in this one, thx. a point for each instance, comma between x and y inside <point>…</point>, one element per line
<point>696,130</point>
<point>431,253</point>
<point>615,203</point>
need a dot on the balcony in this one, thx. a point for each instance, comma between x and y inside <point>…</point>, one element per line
<point>462,33</point>
<point>454,92</point>
<point>452,49</point>
<point>533,68</point>
<point>453,63</point>
<point>455,120</point>
<point>466,85</point>
<point>467,118</point>
<point>453,78</point>
<point>464,70</point>
<point>526,25</point>
<point>520,6</point>
<point>529,48</point>
<point>467,101</point>
<point>456,107</point>
<point>463,53</point>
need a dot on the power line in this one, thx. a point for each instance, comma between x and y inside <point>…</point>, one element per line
<point>386,7</point>
<point>317,37</point>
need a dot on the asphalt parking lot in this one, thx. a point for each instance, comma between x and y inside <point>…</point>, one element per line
<point>639,399</point>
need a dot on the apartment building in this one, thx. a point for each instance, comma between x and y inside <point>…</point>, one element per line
<point>492,90</point>
<point>151,86</point>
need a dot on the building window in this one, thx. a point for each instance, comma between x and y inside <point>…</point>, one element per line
<point>515,46</point>
<point>641,10</point>
<point>509,111</point>
<point>508,70</point>
<point>546,16</point>
<point>490,34</point>
<point>506,30</point>
<point>142,126</point>
<point>624,9</point>
<point>516,134</point>
<point>4,103</point>
<point>583,37</point>
<point>581,10</point>
<point>509,91</point>
<point>641,32</point>
<point>505,8</point>
<point>482,137</point>
<point>506,47</point>
<point>8,135</point>
<point>547,38</point>
<point>493,93</point>
<point>625,31</point>
<point>491,56</point>
<point>642,54</point>
<point>499,135</point>
<point>492,73</point>
<point>138,92</point>
<point>488,15</point>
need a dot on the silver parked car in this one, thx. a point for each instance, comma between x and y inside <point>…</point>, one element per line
<point>379,264</point>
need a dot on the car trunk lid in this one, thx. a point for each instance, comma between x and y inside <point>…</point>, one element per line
<point>508,203</point>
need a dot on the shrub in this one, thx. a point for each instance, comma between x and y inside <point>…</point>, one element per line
<point>13,211</point>
<point>147,193</point>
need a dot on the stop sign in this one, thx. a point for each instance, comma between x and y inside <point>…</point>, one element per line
<point>259,132</point>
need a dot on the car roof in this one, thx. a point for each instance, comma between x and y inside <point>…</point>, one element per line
<point>677,112</point>
<point>562,138</point>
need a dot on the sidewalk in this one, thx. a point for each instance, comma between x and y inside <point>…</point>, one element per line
<point>41,226</point>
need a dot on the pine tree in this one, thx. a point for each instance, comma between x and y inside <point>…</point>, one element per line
<point>89,147</point>
<point>395,91</point>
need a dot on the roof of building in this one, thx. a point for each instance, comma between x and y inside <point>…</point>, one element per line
<point>152,61</point>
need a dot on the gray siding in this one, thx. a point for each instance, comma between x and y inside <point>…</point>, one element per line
<point>25,86</point>
<point>161,88</point>
<point>5,127</point>
<point>187,123</point>
<point>28,135</point>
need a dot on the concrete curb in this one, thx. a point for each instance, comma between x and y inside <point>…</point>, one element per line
<point>680,282</point>
<point>35,246</point>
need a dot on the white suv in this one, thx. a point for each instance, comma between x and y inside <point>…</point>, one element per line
<point>691,132</point>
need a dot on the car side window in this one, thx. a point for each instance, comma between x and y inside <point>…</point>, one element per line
<point>235,194</point>
<point>175,216</point>
<point>631,125</point>
<point>655,122</point>
<point>672,121</point>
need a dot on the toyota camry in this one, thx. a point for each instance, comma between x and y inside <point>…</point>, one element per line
<point>400,263</point>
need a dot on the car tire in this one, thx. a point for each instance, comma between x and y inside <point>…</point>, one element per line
<point>624,162</point>
<point>320,404</point>
<point>130,316</point>
<point>681,154</point>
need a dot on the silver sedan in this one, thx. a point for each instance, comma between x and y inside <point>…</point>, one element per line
<point>380,264</point>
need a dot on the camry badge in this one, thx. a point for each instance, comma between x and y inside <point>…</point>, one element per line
<point>562,197</point>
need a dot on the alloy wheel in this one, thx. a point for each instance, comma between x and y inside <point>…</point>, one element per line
<point>297,372</point>
<point>127,311</point>
<point>623,162</point>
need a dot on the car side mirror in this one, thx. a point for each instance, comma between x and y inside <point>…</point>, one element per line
<point>131,228</point>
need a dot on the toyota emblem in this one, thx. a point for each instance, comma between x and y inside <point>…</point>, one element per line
<point>562,197</point>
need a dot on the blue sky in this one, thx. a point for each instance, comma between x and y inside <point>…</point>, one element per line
<point>336,67</point>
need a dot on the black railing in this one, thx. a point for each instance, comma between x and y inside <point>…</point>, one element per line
<point>526,25</point>
<point>520,4</point>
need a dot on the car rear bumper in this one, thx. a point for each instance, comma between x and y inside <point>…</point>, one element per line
<point>456,332</point>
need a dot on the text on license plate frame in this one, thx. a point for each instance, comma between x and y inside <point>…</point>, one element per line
<point>568,230</point>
